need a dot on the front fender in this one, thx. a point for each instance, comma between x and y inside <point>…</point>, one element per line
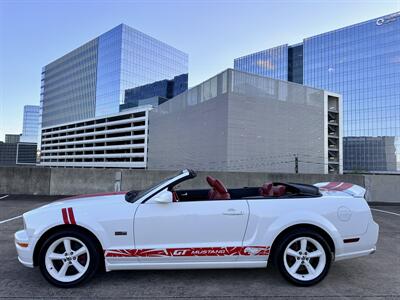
<point>39,222</point>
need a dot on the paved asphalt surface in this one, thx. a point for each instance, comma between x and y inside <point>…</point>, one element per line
<point>375,277</point>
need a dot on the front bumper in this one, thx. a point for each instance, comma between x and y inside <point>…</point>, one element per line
<point>24,248</point>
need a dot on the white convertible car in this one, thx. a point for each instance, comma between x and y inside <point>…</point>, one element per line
<point>300,228</point>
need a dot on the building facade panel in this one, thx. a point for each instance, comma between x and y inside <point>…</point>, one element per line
<point>69,86</point>
<point>15,154</point>
<point>237,121</point>
<point>108,84</point>
<point>30,126</point>
<point>270,63</point>
<point>12,138</point>
<point>114,141</point>
<point>362,63</point>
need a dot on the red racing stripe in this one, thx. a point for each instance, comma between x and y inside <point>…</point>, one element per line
<point>330,185</point>
<point>71,215</point>
<point>343,186</point>
<point>64,215</point>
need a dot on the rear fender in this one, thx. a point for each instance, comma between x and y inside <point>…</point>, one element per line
<point>303,218</point>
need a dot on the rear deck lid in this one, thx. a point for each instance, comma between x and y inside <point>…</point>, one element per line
<point>341,188</point>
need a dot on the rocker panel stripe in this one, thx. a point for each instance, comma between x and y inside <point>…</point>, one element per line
<point>185,252</point>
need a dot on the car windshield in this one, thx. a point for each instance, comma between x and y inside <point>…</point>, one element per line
<point>132,196</point>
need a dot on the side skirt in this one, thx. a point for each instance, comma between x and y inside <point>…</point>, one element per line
<point>184,265</point>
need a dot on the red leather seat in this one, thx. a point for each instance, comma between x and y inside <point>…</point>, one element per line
<point>269,190</point>
<point>266,190</point>
<point>218,191</point>
<point>279,190</point>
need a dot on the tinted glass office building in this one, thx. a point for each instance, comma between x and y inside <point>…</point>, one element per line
<point>14,154</point>
<point>155,93</point>
<point>271,63</point>
<point>361,62</point>
<point>30,126</point>
<point>91,80</point>
<point>12,138</point>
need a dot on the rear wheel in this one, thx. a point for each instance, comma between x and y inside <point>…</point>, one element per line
<point>303,257</point>
<point>68,258</point>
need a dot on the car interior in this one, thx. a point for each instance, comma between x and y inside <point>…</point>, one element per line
<point>218,191</point>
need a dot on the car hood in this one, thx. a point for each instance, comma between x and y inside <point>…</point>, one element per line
<point>83,200</point>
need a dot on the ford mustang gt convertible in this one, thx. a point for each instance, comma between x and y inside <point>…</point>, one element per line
<point>300,228</point>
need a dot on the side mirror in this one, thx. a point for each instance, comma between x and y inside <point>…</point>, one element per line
<point>163,197</point>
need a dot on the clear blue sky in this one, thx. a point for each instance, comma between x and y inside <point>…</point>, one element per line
<point>213,33</point>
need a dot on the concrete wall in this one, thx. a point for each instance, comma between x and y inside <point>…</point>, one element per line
<point>382,188</point>
<point>60,181</point>
<point>25,180</point>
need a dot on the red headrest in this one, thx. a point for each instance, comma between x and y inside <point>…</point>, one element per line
<point>266,189</point>
<point>217,185</point>
<point>279,190</point>
<point>210,180</point>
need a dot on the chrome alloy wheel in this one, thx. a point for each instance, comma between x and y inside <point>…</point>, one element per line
<point>67,259</point>
<point>304,258</point>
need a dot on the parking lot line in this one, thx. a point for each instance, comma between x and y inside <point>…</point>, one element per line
<point>384,211</point>
<point>2,197</point>
<point>8,220</point>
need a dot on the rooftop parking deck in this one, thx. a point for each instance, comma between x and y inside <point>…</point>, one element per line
<point>376,276</point>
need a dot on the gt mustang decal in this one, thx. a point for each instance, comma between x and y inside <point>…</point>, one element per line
<point>68,215</point>
<point>209,251</point>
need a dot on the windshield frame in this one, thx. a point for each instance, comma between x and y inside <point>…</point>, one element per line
<point>134,196</point>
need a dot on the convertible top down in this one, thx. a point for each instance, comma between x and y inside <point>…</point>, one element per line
<point>300,228</point>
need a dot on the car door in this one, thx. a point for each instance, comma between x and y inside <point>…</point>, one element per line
<point>197,231</point>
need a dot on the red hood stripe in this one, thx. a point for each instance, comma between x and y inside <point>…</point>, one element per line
<point>71,215</point>
<point>64,215</point>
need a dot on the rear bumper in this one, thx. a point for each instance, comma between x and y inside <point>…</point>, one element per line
<point>25,253</point>
<point>365,246</point>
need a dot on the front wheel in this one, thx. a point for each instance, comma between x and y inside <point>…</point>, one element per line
<point>68,258</point>
<point>303,257</point>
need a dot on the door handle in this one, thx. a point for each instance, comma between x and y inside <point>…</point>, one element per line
<point>233,212</point>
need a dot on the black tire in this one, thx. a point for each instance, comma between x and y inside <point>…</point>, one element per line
<point>93,263</point>
<point>279,260</point>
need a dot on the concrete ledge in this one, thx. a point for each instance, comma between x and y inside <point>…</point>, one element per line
<point>73,181</point>
<point>25,180</point>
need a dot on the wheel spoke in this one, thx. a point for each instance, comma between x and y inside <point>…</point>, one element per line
<point>293,253</point>
<point>303,245</point>
<point>67,245</point>
<point>310,268</point>
<point>63,269</point>
<point>80,251</point>
<point>78,266</point>
<point>316,253</point>
<point>295,266</point>
<point>56,256</point>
